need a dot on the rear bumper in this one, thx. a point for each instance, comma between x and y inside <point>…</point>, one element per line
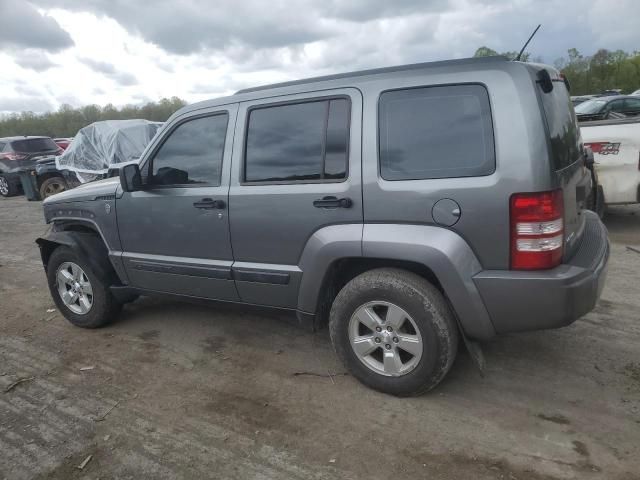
<point>519,301</point>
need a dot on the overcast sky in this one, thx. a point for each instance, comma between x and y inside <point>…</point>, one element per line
<point>132,51</point>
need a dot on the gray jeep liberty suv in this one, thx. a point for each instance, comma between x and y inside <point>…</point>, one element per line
<point>410,206</point>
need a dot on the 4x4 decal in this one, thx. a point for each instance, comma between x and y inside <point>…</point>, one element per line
<point>604,148</point>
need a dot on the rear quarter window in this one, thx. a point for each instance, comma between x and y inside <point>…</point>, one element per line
<point>563,128</point>
<point>436,132</point>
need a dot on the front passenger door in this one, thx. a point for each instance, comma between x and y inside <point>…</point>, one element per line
<point>175,232</point>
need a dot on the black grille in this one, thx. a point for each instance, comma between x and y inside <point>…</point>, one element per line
<point>105,197</point>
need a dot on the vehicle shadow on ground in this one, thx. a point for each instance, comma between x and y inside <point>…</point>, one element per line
<point>623,223</point>
<point>184,325</point>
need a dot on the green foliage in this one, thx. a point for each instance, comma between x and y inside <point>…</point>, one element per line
<point>68,120</point>
<point>489,52</point>
<point>604,70</point>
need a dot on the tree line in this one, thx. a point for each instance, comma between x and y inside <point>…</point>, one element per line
<point>66,121</point>
<point>590,74</point>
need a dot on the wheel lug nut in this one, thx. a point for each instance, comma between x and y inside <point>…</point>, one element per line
<point>395,340</point>
<point>389,329</point>
<point>378,329</point>
<point>377,340</point>
<point>387,346</point>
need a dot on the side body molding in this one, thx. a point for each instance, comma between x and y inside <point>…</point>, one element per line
<point>447,255</point>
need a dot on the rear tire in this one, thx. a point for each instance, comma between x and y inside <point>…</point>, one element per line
<point>419,318</point>
<point>102,306</point>
<point>8,186</point>
<point>51,186</point>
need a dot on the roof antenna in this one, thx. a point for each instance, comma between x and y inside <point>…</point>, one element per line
<point>517,59</point>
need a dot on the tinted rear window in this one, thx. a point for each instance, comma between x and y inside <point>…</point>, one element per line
<point>298,142</point>
<point>436,132</point>
<point>34,145</point>
<point>563,128</point>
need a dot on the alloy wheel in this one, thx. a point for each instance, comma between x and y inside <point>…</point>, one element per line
<point>385,338</point>
<point>4,187</point>
<point>53,188</point>
<point>74,288</point>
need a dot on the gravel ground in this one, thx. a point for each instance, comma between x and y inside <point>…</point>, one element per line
<point>186,391</point>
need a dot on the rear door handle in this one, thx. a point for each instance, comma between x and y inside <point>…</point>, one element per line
<point>211,204</point>
<point>333,202</point>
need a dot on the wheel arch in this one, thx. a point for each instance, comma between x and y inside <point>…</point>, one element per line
<point>85,239</point>
<point>436,254</point>
<point>42,177</point>
<point>342,270</point>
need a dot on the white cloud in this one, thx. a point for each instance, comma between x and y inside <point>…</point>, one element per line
<point>129,51</point>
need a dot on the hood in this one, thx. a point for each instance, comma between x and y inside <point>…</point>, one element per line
<point>86,192</point>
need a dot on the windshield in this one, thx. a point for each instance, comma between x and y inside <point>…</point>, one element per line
<point>34,145</point>
<point>590,106</point>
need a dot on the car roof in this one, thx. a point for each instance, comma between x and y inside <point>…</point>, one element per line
<point>22,137</point>
<point>337,80</point>
<point>610,98</point>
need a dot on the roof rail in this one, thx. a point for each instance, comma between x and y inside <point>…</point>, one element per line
<point>376,71</point>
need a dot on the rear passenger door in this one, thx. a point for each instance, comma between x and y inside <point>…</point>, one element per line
<point>296,170</point>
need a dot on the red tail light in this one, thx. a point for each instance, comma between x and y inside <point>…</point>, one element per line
<point>13,156</point>
<point>537,230</point>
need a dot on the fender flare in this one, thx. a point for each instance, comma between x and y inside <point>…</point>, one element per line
<point>442,251</point>
<point>90,246</point>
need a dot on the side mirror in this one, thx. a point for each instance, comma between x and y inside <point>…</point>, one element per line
<point>130,178</point>
<point>589,161</point>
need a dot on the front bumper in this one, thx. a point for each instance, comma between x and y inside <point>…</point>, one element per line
<point>518,301</point>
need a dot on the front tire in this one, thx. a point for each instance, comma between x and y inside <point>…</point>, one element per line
<point>8,186</point>
<point>79,293</point>
<point>394,331</point>
<point>51,186</point>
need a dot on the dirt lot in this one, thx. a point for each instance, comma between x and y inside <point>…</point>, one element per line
<point>186,391</point>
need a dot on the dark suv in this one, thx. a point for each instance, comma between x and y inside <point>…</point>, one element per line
<point>21,153</point>
<point>408,207</point>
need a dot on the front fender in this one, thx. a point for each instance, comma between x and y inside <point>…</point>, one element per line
<point>89,246</point>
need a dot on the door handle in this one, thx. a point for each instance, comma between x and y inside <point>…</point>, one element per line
<point>333,202</point>
<point>209,203</point>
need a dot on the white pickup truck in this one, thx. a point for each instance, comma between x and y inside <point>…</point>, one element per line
<point>616,151</point>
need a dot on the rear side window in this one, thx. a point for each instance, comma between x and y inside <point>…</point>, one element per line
<point>563,129</point>
<point>34,145</point>
<point>192,154</point>
<point>298,142</point>
<point>436,132</point>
